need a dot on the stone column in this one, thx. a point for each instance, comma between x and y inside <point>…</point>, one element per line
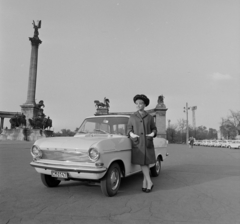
<point>2,122</point>
<point>29,108</point>
<point>32,80</point>
<point>160,113</point>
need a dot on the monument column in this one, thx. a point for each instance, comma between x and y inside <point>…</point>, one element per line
<point>29,108</point>
<point>32,80</point>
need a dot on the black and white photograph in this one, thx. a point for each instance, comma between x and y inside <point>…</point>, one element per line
<point>120,112</point>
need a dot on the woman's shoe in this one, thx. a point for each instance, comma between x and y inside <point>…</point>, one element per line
<point>149,190</point>
<point>144,189</point>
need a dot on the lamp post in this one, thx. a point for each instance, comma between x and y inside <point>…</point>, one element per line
<point>186,111</point>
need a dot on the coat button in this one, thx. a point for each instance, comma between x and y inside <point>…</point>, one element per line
<point>141,133</point>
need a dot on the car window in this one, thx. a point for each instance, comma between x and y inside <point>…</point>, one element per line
<point>104,125</point>
<point>120,129</point>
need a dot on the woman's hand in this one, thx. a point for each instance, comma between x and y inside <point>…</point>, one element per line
<point>151,135</point>
<point>132,135</point>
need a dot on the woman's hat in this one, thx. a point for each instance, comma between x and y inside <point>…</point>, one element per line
<point>141,97</point>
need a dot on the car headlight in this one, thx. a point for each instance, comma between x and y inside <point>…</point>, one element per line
<point>36,152</point>
<point>93,154</point>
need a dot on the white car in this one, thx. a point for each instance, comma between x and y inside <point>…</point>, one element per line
<point>211,143</point>
<point>100,151</point>
<point>226,143</point>
<point>217,143</point>
<point>196,142</point>
<point>234,144</point>
<point>206,143</point>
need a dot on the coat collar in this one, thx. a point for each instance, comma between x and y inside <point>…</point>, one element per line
<point>139,116</point>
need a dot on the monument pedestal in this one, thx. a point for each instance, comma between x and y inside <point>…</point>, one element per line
<point>30,111</point>
<point>160,116</point>
<point>102,111</point>
<point>24,134</point>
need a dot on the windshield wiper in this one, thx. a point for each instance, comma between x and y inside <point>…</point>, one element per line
<point>101,131</point>
<point>83,132</point>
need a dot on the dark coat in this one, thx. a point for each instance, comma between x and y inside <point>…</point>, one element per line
<point>143,152</point>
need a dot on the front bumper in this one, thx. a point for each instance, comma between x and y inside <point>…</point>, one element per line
<point>74,171</point>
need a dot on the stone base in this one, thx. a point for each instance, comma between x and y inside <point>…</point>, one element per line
<point>24,134</point>
<point>102,111</point>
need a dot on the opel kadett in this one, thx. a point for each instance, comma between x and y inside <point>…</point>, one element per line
<point>100,151</point>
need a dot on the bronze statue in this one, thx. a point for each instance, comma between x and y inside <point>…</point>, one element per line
<point>160,99</point>
<point>40,104</point>
<point>18,121</point>
<point>36,27</point>
<point>47,123</point>
<point>40,122</point>
<point>99,104</point>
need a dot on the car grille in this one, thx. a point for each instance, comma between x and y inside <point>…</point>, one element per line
<point>64,156</point>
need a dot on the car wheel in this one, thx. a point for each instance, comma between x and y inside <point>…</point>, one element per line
<point>111,181</point>
<point>156,169</point>
<point>49,181</point>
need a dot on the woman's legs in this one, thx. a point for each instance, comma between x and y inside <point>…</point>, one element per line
<point>146,177</point>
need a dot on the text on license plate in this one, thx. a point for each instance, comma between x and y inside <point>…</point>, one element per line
<point>59,174</point>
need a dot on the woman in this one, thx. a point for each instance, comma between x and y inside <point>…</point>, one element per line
<point>142,130</point>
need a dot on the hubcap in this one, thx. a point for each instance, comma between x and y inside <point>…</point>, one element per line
<point>114,179</point>
<point>157,166</point>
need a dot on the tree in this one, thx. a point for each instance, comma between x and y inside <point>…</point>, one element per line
<point>65,132</point>
<point>227,128</point>
<point>172,133</point>
<point>234,119</point>
<point>212,133</point>
<point>181,127</point>
<point>201,133</point>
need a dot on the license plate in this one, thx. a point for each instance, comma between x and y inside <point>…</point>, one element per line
<point>60,174</point>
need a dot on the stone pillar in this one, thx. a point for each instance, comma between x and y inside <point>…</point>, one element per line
<point>160,113</point>
<point>102,111</point>
<point>32,80</point>
<point>2,122</point>
<point>29,108</point>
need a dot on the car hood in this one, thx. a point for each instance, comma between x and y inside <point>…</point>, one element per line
<point>75,143</point>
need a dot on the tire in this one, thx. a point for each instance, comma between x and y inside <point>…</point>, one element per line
<point>156,169</point>
<point>111,181</point>
<point>49,181</point>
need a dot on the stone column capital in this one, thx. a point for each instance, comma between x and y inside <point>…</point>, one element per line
<point>35,41</point>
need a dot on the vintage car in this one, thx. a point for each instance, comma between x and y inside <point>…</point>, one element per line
<point>100,151</point>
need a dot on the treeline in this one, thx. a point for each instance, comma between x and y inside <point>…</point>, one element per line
<point>229,128</point>
<point>65,132</point>
<point>176,135</point>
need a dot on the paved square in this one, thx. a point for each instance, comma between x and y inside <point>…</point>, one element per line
<point>196,186</point>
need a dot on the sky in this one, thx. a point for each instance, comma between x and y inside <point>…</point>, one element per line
<point>186,50</point>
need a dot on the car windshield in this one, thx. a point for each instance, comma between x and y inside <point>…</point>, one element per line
<point>104,125</point>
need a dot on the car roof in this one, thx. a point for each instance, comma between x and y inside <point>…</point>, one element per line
<point>106,115</point>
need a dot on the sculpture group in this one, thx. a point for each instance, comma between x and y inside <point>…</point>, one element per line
<point>105,103</point>
<point>19,120</point>
<point>38,122</point>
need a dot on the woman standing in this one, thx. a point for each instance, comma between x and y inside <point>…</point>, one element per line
<point>142,130</point>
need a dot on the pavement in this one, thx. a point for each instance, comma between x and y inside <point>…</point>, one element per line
<point>196,186</point>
